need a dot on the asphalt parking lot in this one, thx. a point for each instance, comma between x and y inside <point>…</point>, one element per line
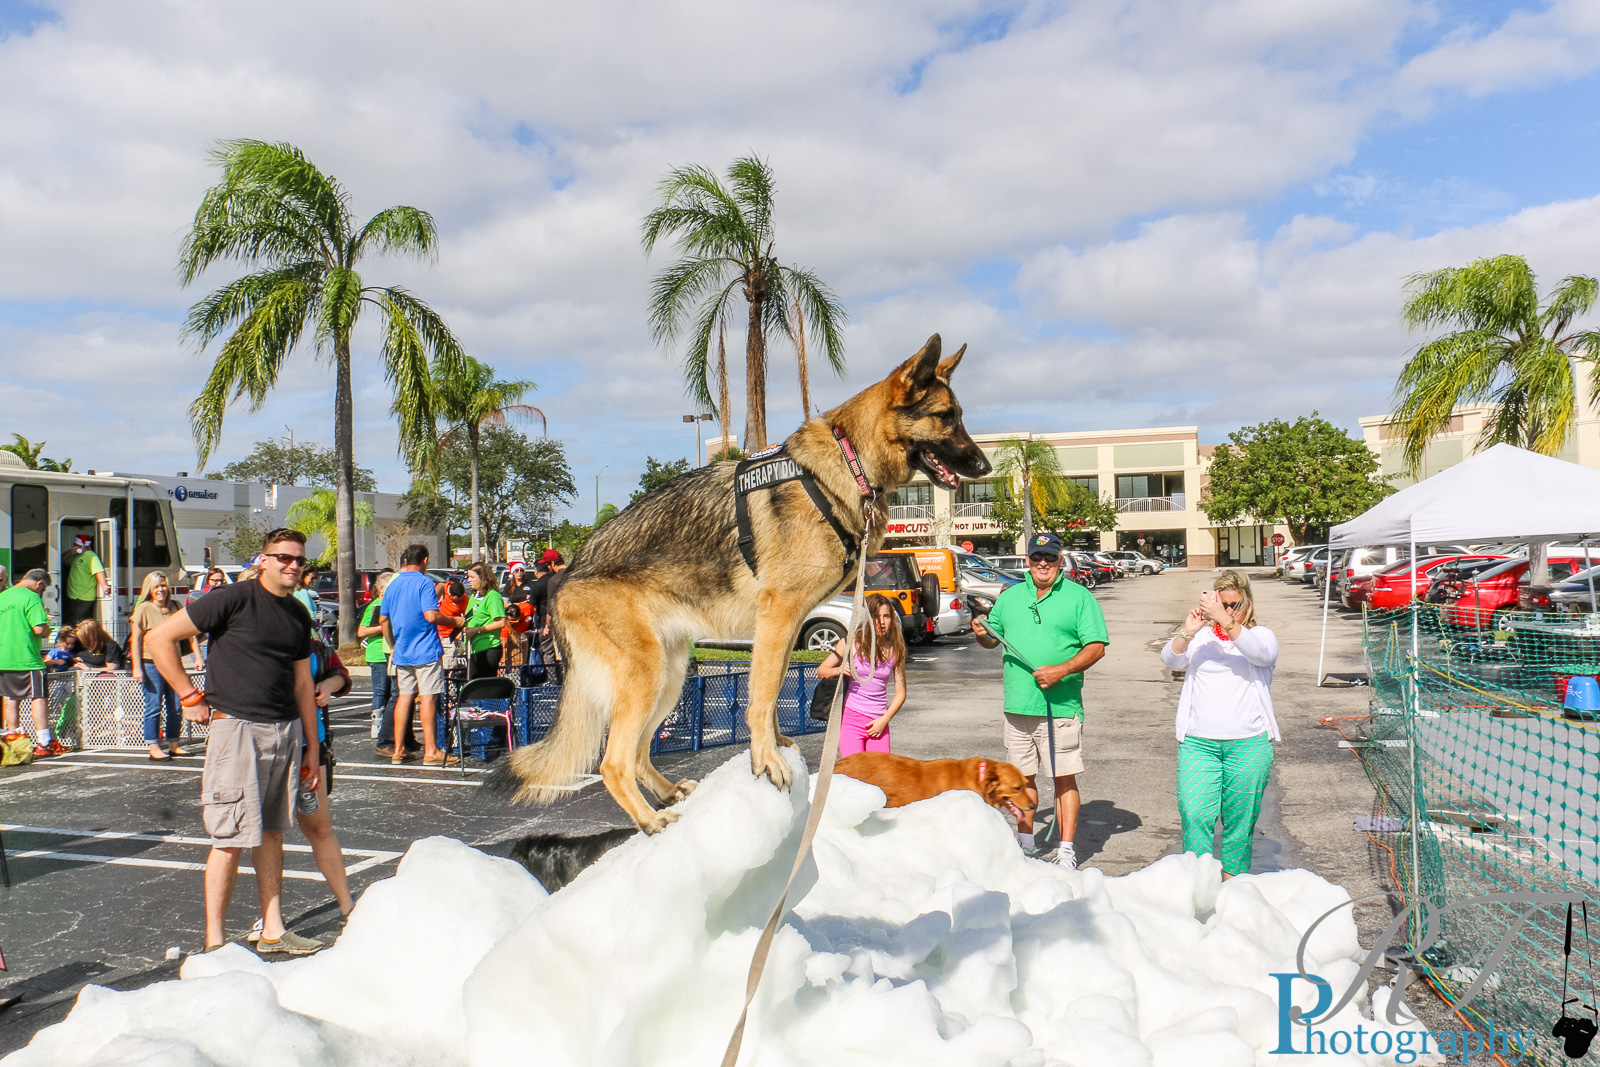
<point>106,849</point>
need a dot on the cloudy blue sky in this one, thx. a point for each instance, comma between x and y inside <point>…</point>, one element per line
<point>1135,213</point>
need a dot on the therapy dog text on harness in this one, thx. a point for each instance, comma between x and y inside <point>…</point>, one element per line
<point>775,466</point>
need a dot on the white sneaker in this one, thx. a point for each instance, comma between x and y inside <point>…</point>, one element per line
<point>1067,858</point>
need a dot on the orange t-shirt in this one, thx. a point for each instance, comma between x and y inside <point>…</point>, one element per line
<point>449,605</point>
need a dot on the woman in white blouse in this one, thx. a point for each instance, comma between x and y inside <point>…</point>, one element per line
<point>1225,722</point>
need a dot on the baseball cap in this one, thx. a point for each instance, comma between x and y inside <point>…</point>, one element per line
<point>550,555</point>
<point>82,541</point>
<point>1047,544</point>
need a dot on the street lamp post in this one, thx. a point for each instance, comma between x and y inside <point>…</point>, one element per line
<point>697,420</point>
<point>603,466</point>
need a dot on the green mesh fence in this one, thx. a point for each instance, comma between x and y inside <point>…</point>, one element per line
<point>1507,791</point>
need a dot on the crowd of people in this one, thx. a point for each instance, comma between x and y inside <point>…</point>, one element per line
<point>270,678</point>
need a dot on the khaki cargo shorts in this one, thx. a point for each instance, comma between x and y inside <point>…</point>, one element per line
<point>427,679</point>
<point>248,785</point>
<point>1028,744</point>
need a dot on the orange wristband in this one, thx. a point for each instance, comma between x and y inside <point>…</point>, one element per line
<point>195,696</point>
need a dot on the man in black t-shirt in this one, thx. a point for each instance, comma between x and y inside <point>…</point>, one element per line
<point>260,702</point>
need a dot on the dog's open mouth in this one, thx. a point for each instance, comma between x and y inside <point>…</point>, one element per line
<point>1015,811</point>
<point>942,475</point>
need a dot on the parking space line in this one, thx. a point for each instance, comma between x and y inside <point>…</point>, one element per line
<point>337,775</point>
<point>371,857</point>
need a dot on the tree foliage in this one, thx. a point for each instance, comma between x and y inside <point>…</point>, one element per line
<point>1076,510</point>
<point>245,540</point>
<point>725,234</point>
<point>1501,347</point>
<point>29,452</point>
<point>656,474</point>
<point>1307,475</point>
<point>276,463</point>
<point>519,479</point>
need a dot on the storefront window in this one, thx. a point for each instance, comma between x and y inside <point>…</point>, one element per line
<point>1168,545</point>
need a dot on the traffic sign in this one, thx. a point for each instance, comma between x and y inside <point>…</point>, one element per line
<point>1277,539</point>
<point>966,546</point>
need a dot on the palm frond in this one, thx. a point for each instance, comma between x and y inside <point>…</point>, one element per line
<point>250,361</point>
<point>1573,297</point>
<point>697,357</point>
<point>341,300</point>
<point>437,339</point>
<point>1455,369</point>
<point>751,183</point>
<point>825,316</point>
<point>272,204</point>
<point>410,332</point>
<point>402,230</point>
<point>223,307</point>
<point>678,287</point>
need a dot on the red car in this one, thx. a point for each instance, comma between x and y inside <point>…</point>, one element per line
<point>1474,604</point>
<point>1391,587</point>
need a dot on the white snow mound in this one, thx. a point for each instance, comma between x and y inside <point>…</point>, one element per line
<point>921,937</point>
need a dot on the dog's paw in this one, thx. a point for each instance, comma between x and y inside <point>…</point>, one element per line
<point>773,766</point>
<point>658,821</point>
<point>786,741</point>
<point>681,790</point>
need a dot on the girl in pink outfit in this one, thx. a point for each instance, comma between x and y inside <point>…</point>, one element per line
<point>879,655</point>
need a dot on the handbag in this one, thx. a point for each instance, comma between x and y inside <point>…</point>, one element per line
<point>822,696</point>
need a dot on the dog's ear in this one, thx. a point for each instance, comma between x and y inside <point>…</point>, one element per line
<point>948,366</point>
<point>913,377</point>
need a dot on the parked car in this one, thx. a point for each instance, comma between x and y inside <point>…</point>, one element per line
<point>1138,562</point>
<point>1088,564</point>
<point>1011,563</point>
<point>1296,560</point>
<point>1443,580</point>
<point>1392,586</point>
<point>1475,604</point>
<point>1318,557</point>
<point>1576,593</point>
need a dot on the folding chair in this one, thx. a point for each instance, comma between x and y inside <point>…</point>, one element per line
<point>474,705</point>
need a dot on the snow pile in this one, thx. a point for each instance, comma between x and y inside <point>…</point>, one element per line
<point>923,937</point>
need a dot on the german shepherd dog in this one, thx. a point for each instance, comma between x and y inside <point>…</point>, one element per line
<point>669,569</point>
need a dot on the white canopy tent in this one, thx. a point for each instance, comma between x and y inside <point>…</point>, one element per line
<point>1503,493</point>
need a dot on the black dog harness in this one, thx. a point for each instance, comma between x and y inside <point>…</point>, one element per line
<point>775,466</point>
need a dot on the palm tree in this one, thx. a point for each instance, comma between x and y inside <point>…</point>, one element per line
<point>1038,467</point>
<point>1503,349</point>
<point>725,234</point>
<point>274,210</point>
<point>319,514</point>
<point>29,453</point>
<point>472,400</point>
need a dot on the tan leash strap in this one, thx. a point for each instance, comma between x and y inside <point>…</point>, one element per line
<point>830,752</point>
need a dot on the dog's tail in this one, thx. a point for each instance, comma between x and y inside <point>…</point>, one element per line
<point>547,771</point>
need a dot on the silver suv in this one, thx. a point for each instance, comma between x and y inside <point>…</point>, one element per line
<point>1137,562</point>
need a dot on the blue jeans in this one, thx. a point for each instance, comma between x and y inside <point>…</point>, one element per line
<point>384,693</point>
<point>156,693</point>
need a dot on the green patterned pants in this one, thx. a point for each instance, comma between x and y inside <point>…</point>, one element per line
<point>1222,778</point>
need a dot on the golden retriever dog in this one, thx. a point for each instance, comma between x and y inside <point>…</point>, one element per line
<point>905,780</point>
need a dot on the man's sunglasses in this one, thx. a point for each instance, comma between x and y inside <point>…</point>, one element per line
<point>285,558</point>
<point>1044,559</point>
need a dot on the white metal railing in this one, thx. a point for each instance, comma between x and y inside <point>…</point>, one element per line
<point>976,510</point>
<point>910,511</point>
<point>101,709</point>
<point>1150,503</point>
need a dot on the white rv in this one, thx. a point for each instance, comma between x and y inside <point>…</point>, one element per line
<point>41,513</point>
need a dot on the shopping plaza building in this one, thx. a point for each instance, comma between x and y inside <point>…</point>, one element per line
<point>1155,475</point>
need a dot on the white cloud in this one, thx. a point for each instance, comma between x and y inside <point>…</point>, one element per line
<point>1113,151</point>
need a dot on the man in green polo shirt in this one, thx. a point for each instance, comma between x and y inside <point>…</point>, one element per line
<point>22,624</point>
<point>86,582</point>
<point>1054,631</point>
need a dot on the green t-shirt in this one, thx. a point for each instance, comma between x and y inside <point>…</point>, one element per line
<point>20,611</point>
<point>80,578</point>
<point>483,610</point>
<point>1047,632</point>
<point>375,653</point>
